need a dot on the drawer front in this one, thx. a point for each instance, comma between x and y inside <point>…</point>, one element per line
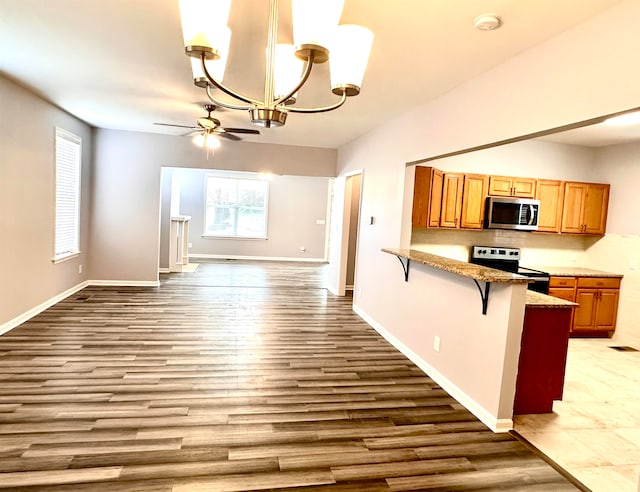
<point>562,282</point>
<point>599,282</point>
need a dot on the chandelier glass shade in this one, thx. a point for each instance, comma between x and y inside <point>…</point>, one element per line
<point>317,38</point>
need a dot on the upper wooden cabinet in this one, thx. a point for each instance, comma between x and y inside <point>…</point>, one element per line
<point>512,186</point>
<point>451,200</point>
<point>551,194</point>
<point>427,197</point>
<point>473,200</point>
<point>585,208</point>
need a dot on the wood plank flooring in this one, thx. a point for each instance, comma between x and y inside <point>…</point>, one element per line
<point>240,376</point>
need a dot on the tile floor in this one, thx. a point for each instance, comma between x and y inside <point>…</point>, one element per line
<point>594,432</point>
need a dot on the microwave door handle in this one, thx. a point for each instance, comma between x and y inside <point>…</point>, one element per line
<point>532,211</point>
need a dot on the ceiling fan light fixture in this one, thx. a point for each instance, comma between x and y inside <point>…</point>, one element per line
<point>198,139</point>
<point>349,57</point>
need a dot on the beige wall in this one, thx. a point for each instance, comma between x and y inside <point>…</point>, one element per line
<point>580,74</point>
<point>126,214</point>
<point>27,188</point>
<point>295,204</point>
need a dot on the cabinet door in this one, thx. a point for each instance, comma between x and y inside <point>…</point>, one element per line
<point>574,198</point>
<point>524,187</point>
<point>451,200</point>
<point>421,193</point>
<point>549,192</point>
<point>595,208</point>
<point>473,199</point>
<point>607,309</point>
<point>435,207</point>
<point>500,185</point>
<point>584,317</point>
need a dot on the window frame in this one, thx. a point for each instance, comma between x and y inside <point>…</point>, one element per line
<point>210,235</point>
<point>62,134</point>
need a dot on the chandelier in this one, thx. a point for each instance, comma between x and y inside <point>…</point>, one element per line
<point>317,38</point>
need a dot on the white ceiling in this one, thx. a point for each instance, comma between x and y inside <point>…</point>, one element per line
<point>599,135</point>
<point>119,63</point>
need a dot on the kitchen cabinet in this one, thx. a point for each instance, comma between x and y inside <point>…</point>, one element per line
<point>551,196</point>
<point>597,299</point>
<point>427,197</point>
<point>451,200</point>
<point>473,201</point>
<point>512,186</point>
<point>585,208</point>
<point>598,305</point>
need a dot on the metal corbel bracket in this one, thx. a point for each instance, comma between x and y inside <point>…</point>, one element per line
<point>484,295</point>
<point>405,267</point>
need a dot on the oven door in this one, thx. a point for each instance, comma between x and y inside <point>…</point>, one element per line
<point>512,213</point>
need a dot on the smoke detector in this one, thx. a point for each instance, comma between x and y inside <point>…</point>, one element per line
<point>487,22</point>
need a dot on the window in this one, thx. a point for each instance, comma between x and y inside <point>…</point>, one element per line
<point>67,233</point>
<point>236,207</point>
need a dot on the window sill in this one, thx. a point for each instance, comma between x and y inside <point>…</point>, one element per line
<point>69,256</point>
<point>237,238</point>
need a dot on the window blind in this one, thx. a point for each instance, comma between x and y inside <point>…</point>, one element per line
<point>68,158</point>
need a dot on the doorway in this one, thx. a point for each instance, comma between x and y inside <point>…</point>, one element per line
<point>354,189</point>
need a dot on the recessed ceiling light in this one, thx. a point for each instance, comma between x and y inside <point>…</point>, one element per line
<point>487,22</point>
<point>624,119</point>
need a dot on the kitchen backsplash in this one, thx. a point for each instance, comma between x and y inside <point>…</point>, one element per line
<point>535,249</point>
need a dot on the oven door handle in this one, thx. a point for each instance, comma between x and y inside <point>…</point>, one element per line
<point>532,212</point>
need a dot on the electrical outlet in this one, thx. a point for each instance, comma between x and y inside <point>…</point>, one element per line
<point>190,245</point>
<point>302,249</point>
<point>359,292</point>
<point>80,268</point>
<point>436,344</point>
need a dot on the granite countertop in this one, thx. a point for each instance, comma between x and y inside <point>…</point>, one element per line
<point>576,272</point>
<point>538,300</point>
<point>458,267</point>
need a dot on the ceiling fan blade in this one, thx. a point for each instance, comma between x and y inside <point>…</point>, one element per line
<point>228,136</point>
<point>177,126</point>
<point>192,132</point>
<point>242,130</point>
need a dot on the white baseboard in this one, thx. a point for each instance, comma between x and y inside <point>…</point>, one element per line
<point>256,258</point>
<point>124,283</point>
<point>496,425</point>
<point>27,315</point>
<point>164,270</point>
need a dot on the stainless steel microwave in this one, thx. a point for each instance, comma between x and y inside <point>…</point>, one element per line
<point>511,213</point>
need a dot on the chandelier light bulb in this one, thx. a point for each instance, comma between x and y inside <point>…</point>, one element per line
<point>350,50</point>
<point>314,20</point>
<point>317,39</point>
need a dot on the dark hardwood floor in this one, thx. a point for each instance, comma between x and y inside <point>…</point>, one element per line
<point>240,376</point>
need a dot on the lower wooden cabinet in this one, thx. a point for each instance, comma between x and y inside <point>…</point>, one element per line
<point>597,299</point>
<point>598,304</point>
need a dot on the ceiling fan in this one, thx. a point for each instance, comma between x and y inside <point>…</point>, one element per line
<point>208,126</point>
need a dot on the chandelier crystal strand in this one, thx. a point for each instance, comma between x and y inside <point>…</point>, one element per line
<point>206,38</point>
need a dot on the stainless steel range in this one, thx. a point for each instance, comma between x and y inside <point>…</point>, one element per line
<point>508,260</point>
